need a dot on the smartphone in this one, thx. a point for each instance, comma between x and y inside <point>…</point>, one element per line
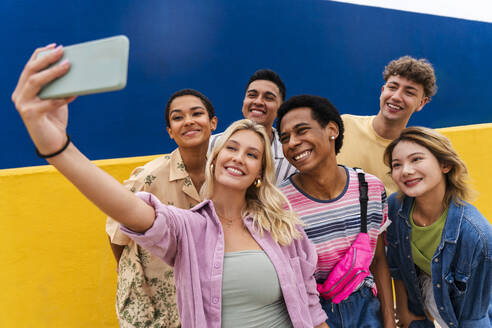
<point>95,66</point>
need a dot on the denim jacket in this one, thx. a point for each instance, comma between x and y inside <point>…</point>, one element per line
<point>461,267</point>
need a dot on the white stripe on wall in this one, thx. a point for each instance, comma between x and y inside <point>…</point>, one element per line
<point>478,10</point>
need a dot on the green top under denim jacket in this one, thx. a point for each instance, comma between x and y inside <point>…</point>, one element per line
<point>461,266</point>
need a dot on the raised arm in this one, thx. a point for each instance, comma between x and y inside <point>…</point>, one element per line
<point>46,122</point>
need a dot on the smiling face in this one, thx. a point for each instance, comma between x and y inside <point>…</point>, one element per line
<point>189,122</point>
<point>261,102</point>
<point>400,98</point>
<point>416,171</point>
<point>239,162</point>
<point>306,144</point>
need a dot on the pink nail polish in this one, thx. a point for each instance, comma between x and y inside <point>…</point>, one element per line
<point>64,62</point>
<point>51,45</point>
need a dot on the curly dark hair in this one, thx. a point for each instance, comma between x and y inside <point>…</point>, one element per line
<point>322,110</point>
<point>417,70</point>
<point>189,92</point>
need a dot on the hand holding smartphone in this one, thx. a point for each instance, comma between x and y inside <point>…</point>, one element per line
<point>95,66</point>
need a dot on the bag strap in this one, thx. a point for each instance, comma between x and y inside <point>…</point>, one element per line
<point>363,198</point>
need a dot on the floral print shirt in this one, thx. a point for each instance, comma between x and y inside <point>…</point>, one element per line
<point>146,295</point>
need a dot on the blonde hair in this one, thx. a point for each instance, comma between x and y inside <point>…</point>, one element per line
<point>457,188</point>
<point>266,204</point>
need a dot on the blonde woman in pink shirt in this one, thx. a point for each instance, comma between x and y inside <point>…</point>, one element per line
<point>240,259</point>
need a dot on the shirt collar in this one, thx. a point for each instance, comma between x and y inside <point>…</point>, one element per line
<point>207,203</point>
<point>276,145</point>
<point>453,222</point>
<point>178,172</point>
<point>452,226</point>
<point>177,168</point>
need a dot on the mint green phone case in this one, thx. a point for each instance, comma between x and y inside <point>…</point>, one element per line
<point>96,66</point>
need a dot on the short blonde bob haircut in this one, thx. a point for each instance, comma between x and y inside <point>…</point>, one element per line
<point>270,210</point>
<point>457,178</point>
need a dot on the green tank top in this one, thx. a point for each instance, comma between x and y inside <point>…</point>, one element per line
<point>251,294</point>
<point>424,241</point>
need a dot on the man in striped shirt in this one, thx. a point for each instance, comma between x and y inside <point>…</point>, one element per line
<point>326,197</point>
<point>265,92</point>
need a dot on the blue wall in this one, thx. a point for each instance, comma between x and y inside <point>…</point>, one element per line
<point>327,48</point>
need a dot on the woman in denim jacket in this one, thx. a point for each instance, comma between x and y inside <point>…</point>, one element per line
<point>439,246</point>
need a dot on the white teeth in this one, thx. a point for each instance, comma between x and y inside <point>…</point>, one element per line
<point>300,156</point>
<point>412,182</point>
<point>235,171</point>
<point>394,106</point>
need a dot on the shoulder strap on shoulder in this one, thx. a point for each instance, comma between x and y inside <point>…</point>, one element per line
<point>363,198</point>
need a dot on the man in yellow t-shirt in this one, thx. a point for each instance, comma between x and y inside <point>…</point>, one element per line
<point>409,85</point>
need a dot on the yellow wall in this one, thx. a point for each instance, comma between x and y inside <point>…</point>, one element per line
<point>474,143</point>
<point>56,266</point>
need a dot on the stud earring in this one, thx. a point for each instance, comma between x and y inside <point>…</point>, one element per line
<point>257,183</point>
<point>212,166</point>
<point>332,137</point>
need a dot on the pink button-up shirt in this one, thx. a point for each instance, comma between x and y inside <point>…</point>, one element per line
<point>193,242</point>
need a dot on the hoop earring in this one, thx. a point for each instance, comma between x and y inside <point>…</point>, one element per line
<point>257,183</point>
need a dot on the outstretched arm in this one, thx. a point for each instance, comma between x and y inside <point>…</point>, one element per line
<point>46,122</point>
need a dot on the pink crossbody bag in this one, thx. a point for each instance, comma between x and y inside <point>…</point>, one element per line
<point>353,268</point>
